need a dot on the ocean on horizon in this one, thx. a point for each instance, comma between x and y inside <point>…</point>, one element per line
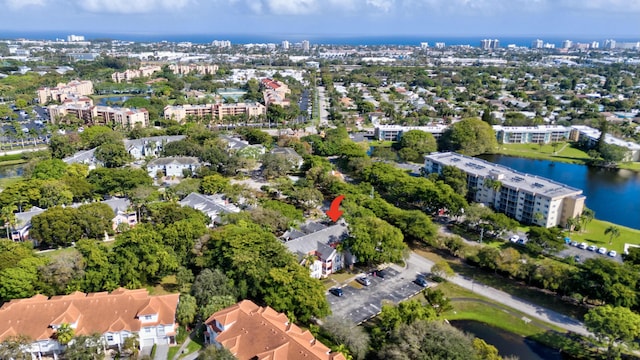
<point>370,40</point>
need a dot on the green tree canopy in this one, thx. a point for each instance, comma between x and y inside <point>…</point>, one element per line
<point>375,241</point>
<point>470,137</point>
<point>613,326</point>
<point>419,142</point>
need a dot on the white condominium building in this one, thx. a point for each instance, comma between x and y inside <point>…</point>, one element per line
<point>527,198</point>
<point>130,74</point>
<point>591,136</point>
<point>541,134</point>
<point>394,132</point>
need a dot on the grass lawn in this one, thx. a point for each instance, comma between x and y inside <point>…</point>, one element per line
<point>58,252</point>
<point>594,234</point>
<point>565,152</point>
<point>633,166</point>
<point>5,182</point>
<point>168,285</point>
<point>12,162</point>
<point>173,351</point>
<point>341,277</point>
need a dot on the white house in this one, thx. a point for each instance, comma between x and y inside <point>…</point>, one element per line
<point>212,205</point>
<point>173,166</point>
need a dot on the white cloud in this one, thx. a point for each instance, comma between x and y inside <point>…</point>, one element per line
<point>18,4</point>
<point>383,5</point>
<point>291,7</point>
<point>131,6</point>
<point>603,5</point>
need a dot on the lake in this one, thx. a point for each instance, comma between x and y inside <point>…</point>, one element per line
<point>613,194</point>
<point>506,342</point>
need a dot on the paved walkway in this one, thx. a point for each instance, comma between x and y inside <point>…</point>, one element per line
<point>532,310</point>
<point>162,352</point>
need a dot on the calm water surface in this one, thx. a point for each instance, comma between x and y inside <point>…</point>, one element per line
<point>506,342</point>
<point>613,194</point>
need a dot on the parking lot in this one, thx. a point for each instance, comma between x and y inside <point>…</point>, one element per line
<point>572,251</point>
<point>360,303</point>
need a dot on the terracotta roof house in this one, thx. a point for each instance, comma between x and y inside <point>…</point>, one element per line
<point>253,332</point>
<point>116,315</point>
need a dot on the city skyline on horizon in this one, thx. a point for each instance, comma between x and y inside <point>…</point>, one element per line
<point>597,19</point>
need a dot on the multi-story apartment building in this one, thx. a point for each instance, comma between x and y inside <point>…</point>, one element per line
<point>130,74</point>
<point>113,316</point>
<point>590,137</point>
<point>527,198</point>
<point>541,134</point>
<point>275,92</point>
<point>63,91</point>
<point>394,132</point>
<point>83,109</point>
<point>183,69</point>
<point>215,111</point>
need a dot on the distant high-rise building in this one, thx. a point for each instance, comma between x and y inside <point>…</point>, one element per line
<point>221,43</point>
<point>305,45</point>
<point>440,45</point>
<point>537,44</point>
<point>74,38</point>
<point>489,44</point>
<point>610,44</point>
<point>549,46</point>
<point>595,45</point>
<point>424,45</point>
<point>567,44</point>
<point>285,45</point>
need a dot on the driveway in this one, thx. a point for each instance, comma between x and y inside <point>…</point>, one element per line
<point>362,303</point>
<point>162,352</point>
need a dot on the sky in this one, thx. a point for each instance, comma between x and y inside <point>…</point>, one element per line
<point>598,19</point>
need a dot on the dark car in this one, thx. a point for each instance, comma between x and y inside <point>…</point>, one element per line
<point>381,274</point>
<point>336,291</point>
<point>421,281</point>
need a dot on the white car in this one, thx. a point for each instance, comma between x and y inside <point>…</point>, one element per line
<point>602,250</point>
<point>612,253</point>
<point>514,238</point>
<point>583,245</point>
<point>592,248</point>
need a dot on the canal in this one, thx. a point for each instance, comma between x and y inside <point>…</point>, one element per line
<point>613,194</point>
<point>508,344</point>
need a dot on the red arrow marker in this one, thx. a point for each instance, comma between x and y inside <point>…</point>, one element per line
<point>334,210</point>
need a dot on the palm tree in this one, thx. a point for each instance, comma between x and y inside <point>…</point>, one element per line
<point>613,232</point>
<point>64,333</point>
<point>587,216</point>
<point>9,217</point>
<point>573,223</point>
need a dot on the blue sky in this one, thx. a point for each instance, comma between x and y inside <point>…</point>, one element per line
<point>596,19</point>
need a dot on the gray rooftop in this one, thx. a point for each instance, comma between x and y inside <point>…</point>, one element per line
<point>507,176</point>
<point>157,139</point>
<point>319,240</point>
<point>208,204</point>
<point>178,160</point>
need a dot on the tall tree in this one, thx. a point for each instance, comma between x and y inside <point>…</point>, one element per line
<point>470,137</point>
<point>614,326</point>
<point>375,241</point>
<point>613,232</point>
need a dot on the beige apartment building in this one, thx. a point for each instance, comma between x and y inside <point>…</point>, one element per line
<point>63,91</point>
<point>183,69</point>
<point>527,198</point>
<point>215,111</point>
<point>83,109</point>
<point>130,74</point>
<point>275,92</point>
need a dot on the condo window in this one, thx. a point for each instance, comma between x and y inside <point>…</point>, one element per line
<point>109,338</point>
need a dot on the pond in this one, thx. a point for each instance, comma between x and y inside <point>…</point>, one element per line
<point>613,194</point>
<point>506,342</point>
<point>8,171</point>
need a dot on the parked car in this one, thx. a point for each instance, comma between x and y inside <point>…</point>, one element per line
<point>602,250</point>
<point>514,238</point>
<point>575,243</point>
<point>363,280</point>
<point>612,253</point>
<point>583,245</point>
<point>576,258</point>
<point>592,248</point>
<point>380,273</point>
<point>421,281</point>
<point>336,291</point>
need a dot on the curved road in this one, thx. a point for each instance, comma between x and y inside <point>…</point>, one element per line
<point>530,309</point>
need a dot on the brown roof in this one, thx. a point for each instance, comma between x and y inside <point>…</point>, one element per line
<point>94,313</point>
<point>255,332</point>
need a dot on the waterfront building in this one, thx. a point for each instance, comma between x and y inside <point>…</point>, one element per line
<point>394,132</point>
<point>537,44</point>
<point>567,44</point>
<point>489,44</point>
<point>285,45</point>
<point>75,38</point>
<point>305,45</point>
<point>590,136</point>
<point>541,134</point>
<point>527,198</point>
<point>65,91</point>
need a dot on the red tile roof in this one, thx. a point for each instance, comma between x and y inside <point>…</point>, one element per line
<point>255,332</point>
<point>94,313</point>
